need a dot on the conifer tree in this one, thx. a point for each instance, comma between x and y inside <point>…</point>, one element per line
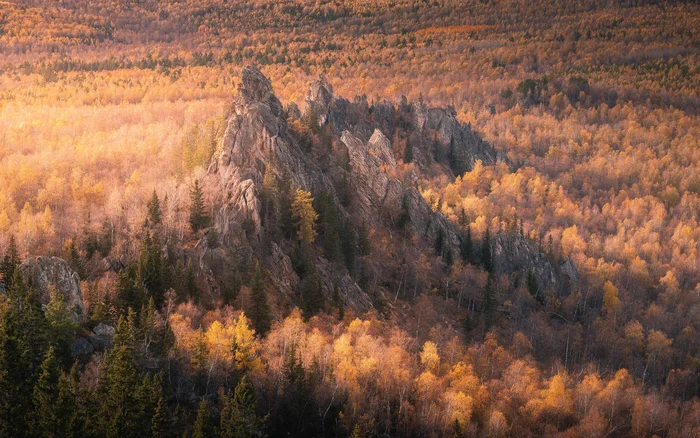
<point>486,257</point>
<point>199,219</point>
<point>155,216</point>
<point>311,294</point>
<point>67,409</point>
<point>408,152</point>
<point>74,259</point>
<point>202,425</point>
<point>151,268</point>
<point>466,247</point>
<point>127,294</point>
<point>363,244</point>
<point>119,410</point>
<point>60,326</point>
<point>9,262</point>
<point>260,311</point>
<point>532,286</point>
<point>489,304</point>
<point>305,216</point>
<point>44,417</point>
<point>338,302</point>
<point>160,423</point>
<point>238,417</point>
<point>405,215</point>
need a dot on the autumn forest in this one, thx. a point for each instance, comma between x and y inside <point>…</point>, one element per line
<point>367,218</point>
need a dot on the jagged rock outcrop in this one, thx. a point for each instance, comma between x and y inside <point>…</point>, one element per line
<point>45,274</point>
<point>257,144</point>
<point>370,184</point>
<point>361,120</point>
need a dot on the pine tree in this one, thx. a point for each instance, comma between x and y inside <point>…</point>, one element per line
<point>466,247</point>
<point>9,263</point>
<point>74,259</point>
<point>260,312</point>
<point>440,243</point>
<point>160,423</point>
<point>202,424</point>
<point>151,268</point>
<point>405,215</point>
<point>155,216</point>
<point>119,410</point>
<point>486,257</point>
<point>338,302</point>
<point>408,152</point>
<point>489,304</point>
<point>532,286</point>
<point>311,294</point>
<point>60,326</point>
<point>238,417</point>
<point>198,214</point>
<point>67,409</point>
<point>363,244</point>
<point>127,294</point>
<point>25,320</point>
<point>44,417</point>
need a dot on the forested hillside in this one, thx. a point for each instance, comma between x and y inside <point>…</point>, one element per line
<point>364,218</point>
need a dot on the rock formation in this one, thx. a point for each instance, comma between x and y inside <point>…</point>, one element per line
<point>45,274</point>
<point>258,143</point>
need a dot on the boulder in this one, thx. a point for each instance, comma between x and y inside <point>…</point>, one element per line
<point>45,274</point>
<point>81,347</point>
<point>102,329</point>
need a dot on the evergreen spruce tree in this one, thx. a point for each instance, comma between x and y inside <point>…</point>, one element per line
<point>151,268</point>
<point>311,294</point>
<point>127,294</point>
<point>9,262</point>
<point>338,302</point>
<point>532,286</point>
<point>238,417</point>
<point>363,244</point>
<point>405,215</point>
<point>119,407</point>
<point>466,247</point>
<point>60,326</point>
<point>191,284</point>
<point>440,243</point>
<point>202,425</point>
<point>155,216</point>
<point>67,409</point>
<point>489,304</point>
<point>74,259</point>
<point>260,311</point>
<point>25,320</point>
<point>408,152</point>
<point>160,423</point>
<point>44,417</point>
<point>199,219</point>
<point>486,258</point>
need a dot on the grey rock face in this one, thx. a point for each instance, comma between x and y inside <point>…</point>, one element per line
<point>256,138</point>
<point>45,273</point>
<point>512,252</point>
<point>102,329</point>
<point>81,347</point>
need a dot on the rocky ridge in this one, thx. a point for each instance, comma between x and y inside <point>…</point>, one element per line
<point>258,143</point>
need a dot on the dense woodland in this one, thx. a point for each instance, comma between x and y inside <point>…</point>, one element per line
<point>111,111</point>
